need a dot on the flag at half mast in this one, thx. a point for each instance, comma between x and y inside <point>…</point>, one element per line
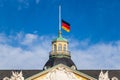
<point>65,26</point>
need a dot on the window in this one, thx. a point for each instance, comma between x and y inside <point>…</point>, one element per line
<point>60,47</point>
<point>64,47</point>
<point>55,47</point>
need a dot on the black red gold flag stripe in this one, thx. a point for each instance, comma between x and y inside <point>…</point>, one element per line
<point>65,26</point>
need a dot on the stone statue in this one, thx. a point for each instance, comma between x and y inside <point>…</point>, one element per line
<point>15,76</point>
<point>103,76</point>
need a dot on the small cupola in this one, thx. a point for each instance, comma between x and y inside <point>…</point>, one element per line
<point>60,47</point>
<point>60,53</point>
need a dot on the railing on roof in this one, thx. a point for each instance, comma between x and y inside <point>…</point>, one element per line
<point>60,53</point>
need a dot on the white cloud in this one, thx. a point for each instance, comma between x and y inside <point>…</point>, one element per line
<point>31,51</point>
<point>18,56</point>
<point>97,56</point>
<point>29,39</point>
<point>2,38</point>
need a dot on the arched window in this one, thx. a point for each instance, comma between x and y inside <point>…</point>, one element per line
<point>55,47</point>
<point>64,47</point>
<point>60,47</point>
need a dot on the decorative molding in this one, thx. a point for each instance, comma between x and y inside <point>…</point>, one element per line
<point>15,76</point>
<point>60,73</point>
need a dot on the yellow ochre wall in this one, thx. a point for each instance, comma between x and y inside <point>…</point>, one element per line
<point>81,78</point>
<point>40,77</point>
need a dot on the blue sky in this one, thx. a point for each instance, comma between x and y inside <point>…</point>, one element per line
<point>96,19</point>
<point>26,24</point>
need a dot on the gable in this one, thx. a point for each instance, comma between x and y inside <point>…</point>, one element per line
<point>60,72</point>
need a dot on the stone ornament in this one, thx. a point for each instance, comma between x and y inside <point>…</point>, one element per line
<point>60,73</point>
<point>15,76</point>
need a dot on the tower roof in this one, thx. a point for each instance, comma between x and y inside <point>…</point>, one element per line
<point>55,61</point>
<point>59,38</point>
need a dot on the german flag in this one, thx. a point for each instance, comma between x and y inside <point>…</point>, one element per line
<point>65,26</point>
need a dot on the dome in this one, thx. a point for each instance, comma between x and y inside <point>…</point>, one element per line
<point>60,38</point>
<point>55,61</point>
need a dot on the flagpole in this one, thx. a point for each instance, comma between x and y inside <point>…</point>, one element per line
<point>59,17</point>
